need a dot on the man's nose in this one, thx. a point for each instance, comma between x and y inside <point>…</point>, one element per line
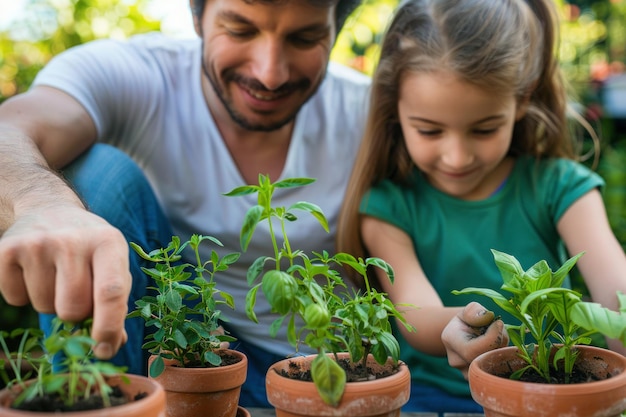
<point>270,64</point>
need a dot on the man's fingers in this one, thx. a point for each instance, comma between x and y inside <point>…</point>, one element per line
<point>111,287</point>
<point>12,286</point>
<point>74,300</point>
<point>109,313</point>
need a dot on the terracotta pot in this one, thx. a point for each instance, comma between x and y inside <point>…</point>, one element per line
<point>190,392</point>
<point>152,405</point>
<point>376,398</point>
<point>501,396</point>
<point>242,412</point>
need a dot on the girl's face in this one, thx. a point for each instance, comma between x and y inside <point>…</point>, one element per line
<point>457,134</point>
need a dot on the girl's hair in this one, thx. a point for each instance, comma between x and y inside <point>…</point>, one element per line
<point>503,46</point>
<point>344,8</point>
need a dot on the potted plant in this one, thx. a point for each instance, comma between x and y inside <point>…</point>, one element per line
<point>349,330</point>
<point>80,385</point>
<point>187,355</point>
<point>556,372</point>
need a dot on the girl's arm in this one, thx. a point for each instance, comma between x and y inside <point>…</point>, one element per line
<point>428,314</point>
<point>585,227</point>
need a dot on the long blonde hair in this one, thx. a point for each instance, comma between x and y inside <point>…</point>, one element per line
<point>499,45</point>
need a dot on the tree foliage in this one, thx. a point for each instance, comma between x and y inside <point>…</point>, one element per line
<point>52,26</point>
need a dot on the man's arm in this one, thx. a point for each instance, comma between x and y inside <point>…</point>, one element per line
<point>54,253</point>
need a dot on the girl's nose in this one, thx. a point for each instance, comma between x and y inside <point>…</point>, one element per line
<point>457,153</point>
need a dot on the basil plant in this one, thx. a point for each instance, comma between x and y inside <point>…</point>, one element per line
<point>309,295</point>
<point>553,317</point>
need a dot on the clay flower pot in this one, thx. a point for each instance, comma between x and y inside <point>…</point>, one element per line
<point>190,392</point>
<point>152,405</point>
<point>501,396</point>
<point>242,412</point>
<point>376,398</point>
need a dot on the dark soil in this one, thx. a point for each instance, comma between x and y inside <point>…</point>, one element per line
<point>354,372</point>
<point>52,403</point>
<point>578,376</point>
<point>227,359</point>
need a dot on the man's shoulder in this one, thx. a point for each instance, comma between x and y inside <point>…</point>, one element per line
<point>343,88</point>
<point>160,41</point>
<point>344,74</point>
<point>146,47</point>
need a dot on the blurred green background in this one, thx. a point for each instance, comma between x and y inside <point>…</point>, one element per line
<point>592,54</point>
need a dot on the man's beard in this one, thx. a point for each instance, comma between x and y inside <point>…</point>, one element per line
<point>237,117</point>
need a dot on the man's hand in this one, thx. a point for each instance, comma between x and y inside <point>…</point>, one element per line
<point>472,332</point>
<point>68,261</point>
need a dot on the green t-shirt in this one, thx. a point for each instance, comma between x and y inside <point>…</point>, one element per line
<point>453,238</point>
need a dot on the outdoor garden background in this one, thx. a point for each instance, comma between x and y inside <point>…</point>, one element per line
<point>592,54</point>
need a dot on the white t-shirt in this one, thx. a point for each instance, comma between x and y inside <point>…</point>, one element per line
<point>145,98</point>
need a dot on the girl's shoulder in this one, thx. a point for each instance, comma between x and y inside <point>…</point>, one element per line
<point>552,169</point>
<point>554,181</point>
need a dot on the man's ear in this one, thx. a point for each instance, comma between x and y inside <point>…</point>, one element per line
<point>197,20</point>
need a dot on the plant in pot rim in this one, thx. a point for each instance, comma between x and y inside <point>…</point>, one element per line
<point>551,314</point>
<point>63,375</point>
<point>310,296</point>
<point>187,332</point>
<point>184,308</point>
<point>558,322</point>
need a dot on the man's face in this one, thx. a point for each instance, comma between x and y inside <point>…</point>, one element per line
<point>264,60</point>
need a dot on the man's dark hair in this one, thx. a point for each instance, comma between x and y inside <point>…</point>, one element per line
<point>344,8</point>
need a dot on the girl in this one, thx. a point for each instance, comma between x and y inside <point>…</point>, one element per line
<point>467,149</point>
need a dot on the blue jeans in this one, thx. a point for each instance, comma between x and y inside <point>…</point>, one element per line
<point>425,398</point>
<point>114,187</point>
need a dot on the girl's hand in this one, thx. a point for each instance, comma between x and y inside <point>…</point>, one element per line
<point>470,333</point>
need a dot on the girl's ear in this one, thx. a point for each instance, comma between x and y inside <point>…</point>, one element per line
<point>524,101</point>
<point>196,19</point>
<point>522,107</point>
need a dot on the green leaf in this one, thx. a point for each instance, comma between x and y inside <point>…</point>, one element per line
<point>594,317</point>
<point>294,182</point>
<point>251,302</point>
<point>146,311</point>
<point>541,296</point>
<point>508,266</point>
<point>255,270</point>
<point>212,358</point>
<point>561,273</point>
<point>157,367</point>
<point>243,190</point>
<point>253,216</point>
<point>140,251</point>
<point>275,327</point>
<point>314,210</point>
<point>495,296</point>
<point>228,298</point>
<point>173,300</point>
<point>392,348</point>
<point>329,379</point>
<point>180,338</point>
<point>231,258</point>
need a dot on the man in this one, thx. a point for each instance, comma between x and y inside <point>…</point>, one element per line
<point>199,117</point>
